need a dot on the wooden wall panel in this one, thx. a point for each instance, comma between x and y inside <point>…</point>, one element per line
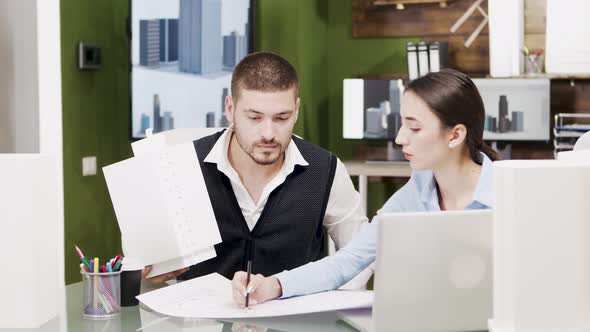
<point>473,60</point>
<point>415,20</point>
<point>535,13</point>
<point>430,20</point>
<point>566,98</point>
<point>432,23</point>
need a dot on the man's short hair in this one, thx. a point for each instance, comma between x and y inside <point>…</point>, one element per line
<point>264,71</point>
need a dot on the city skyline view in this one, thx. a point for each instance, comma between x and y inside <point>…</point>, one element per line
<point>185,59</point>
<point>502,123</point>
<point>381,108</point>
<point>515,109</point>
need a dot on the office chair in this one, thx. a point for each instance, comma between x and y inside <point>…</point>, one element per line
<point>583,143</point>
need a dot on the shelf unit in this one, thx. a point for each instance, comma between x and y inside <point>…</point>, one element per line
<point>566,134</point>
<point>400,4</point>
<point>570,94</point>
<point>558,76</point>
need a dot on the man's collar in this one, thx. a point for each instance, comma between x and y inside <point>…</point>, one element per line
<point>219,153</point>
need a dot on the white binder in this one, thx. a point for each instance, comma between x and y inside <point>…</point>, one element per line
<point>423,64</point>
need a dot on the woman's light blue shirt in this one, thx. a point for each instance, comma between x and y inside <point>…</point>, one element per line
<point>418,194</point>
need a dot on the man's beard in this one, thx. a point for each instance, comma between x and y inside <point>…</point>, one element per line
<point>249,150</point>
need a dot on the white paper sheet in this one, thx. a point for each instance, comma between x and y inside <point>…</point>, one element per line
<point>153,144</point>
<point>162,205</point>
<point>210,296</point>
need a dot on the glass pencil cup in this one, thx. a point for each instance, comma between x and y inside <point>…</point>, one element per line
<point>102,294</point>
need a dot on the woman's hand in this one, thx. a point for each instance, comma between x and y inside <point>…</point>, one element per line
<point>261,289</point>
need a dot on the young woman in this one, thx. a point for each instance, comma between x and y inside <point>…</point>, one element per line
<point>441,135</point>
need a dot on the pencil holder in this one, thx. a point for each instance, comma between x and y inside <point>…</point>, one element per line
<point>102,294</point>
<point>534,64</point>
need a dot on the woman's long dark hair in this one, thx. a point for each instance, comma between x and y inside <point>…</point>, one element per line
<point>455,100</point>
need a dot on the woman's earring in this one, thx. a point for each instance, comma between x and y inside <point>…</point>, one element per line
<point>451,145</point>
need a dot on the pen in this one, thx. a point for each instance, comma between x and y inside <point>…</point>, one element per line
<point>249,270</point>
<point>83,259</point>
<point>95,288</point>
<point>116,259</point>
<point>105,303</point>
<point>117,265</point>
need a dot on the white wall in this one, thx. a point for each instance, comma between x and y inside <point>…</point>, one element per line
<point>50,103</point>
<point>19,112</point>
<point>31,106</point>
<point>30,83</point>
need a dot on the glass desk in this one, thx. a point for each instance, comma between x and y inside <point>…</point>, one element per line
<point>139,318</point>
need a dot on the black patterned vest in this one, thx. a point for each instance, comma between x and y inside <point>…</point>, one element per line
<point>289,232</point>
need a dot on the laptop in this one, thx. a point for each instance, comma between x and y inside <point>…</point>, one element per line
<point>433,273</point>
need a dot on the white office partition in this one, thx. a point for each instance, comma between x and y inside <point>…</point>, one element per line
<point>50,103</point>
<point>31,184</point>
<point>30,244</point>
<point>567,41</point>
<point>541,246</point>
<point>506,26</point>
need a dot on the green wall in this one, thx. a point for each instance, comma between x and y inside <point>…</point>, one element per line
<point>297,30</point>
<point>95,123</point>
<point>316,35</point>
